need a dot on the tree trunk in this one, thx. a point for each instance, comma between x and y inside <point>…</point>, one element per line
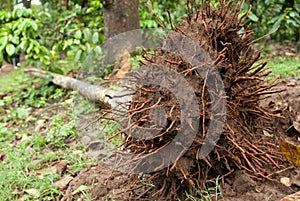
<point>120,16</point>
<point>26,3</point>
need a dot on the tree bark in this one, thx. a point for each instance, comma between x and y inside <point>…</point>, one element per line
<point>26,3</point>
<point>120,16</point>
<point>92,92</point>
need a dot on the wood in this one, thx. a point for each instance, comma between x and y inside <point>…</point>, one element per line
<point>92,92</point>
<point>120,16</point>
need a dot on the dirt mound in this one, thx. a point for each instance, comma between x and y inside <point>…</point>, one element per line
<point>285,103</point>
<point>103,184</point>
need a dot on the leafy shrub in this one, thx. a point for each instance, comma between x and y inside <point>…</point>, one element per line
<point>19,34</point>
<point>267,16</point>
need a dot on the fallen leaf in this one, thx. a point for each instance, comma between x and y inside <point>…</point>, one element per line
<point>33,192</point>
<point>40,124</point>
<point>125,66</point>
<point>61,167</point>
<point>61,184</point>
<point>46,171</point>
<point>78,152</point>
<point>24,137</point>
<point>290,54</point>
<point>52,168</point>
<point>286,181</point>
<point>69,101</point>
<point>291,152</point>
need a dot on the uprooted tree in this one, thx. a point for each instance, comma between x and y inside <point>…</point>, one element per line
<point>222,34</point>
<point>242,145</point>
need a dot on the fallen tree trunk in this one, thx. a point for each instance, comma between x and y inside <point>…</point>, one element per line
<point>92,92</point>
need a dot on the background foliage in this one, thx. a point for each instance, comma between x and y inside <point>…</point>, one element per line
<point>54,35</point>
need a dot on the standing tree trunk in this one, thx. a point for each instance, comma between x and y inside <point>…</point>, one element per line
<point>120,16</point>
<point>26,3</point>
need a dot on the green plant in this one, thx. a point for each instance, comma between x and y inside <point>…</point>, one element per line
<point>84,191</point>
<point>268,16</point>
<point>27,155</point>
<point>78,32</point>
<point>19,34</point>
<point>60,131</point>
<point>150,8</point>
<point>5,133</point>
<point>285,66</point>
<point>110,128</point>
<point>207,193</point>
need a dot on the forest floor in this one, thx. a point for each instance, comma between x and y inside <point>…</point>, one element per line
<point>48,144</point>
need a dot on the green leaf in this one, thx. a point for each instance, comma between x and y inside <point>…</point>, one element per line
<point>23,45</point>
<point>37,49</point>
<point>23,24</point>
<point>14,13</point>
<point>17,13</point>
<point>88,48</point>
<point>87,34</point>
<point>95,38</point>
<point>55,69</point>
<point>78,55</point>
<point>44,50</point>
<point>3,42</point>
<point>14,39</point>
<point>1,58</point>
<point>267,2</point>
<point>33,24</point>
<point>253,17</point>
<point>102,38</point>
<point>29,48</point>
<point>10,49</point>
<point>16,24</point>
<point>20,13</point>
<point>81,188</point>
<point>27,13</point>
<point>46,60</point>
<point>276,25</point>
<point>78,34</point>
<point>77,42</point>
<point>98,50</point>
<point>90,10</point>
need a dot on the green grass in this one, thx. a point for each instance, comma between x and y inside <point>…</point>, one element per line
<point>206,193</point>
<point>13,80</point>
<point>285,66</point>
<point>25,151</point>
